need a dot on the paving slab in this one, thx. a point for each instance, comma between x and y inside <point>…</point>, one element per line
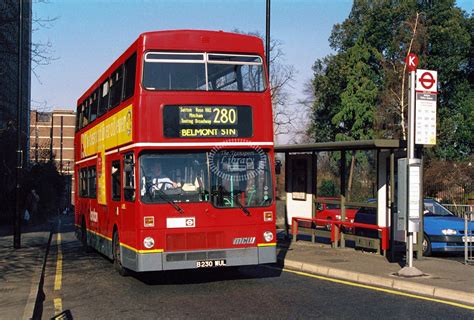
<point>20,272</point>
<point>444,278</point>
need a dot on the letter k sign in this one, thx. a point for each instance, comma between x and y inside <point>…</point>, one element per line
<point>412,62</point>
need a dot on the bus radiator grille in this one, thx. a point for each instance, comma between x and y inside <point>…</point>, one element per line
<point>209,255</point>
<point>194,256</point>
<point>194,241</point>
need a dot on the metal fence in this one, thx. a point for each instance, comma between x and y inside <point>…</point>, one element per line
<point>448,193</point>
<point>468,238</point>
<point>459,210</point>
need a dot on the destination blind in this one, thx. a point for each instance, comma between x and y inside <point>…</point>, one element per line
<point>207,121</point>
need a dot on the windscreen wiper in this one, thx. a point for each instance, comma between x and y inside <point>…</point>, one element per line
<point>244,209</point>
<point>163,196</point>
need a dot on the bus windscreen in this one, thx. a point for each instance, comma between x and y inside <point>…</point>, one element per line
<point>226,178</point>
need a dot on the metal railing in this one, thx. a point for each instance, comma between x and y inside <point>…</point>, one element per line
<point>336,229</point>
<point>468,238</point>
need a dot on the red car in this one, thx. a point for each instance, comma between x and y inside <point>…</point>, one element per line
<point>332,212</point>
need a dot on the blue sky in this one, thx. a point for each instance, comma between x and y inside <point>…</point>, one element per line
<point>90,34</point>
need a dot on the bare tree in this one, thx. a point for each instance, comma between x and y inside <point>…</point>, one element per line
<point>42,53</point>
<point>282,76</point>
<point>411,37</point>
<point>304,105</point>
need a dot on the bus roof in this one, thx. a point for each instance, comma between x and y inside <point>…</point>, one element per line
<point>189,40</point>
<point>202,40</point>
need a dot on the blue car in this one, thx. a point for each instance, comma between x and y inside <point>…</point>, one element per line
<point>443,231</point>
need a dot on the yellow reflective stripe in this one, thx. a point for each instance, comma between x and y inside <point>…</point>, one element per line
<point>99,234</point>
<point>273,244</point>
<point>141,251</point>
<point>151,251</point>
<point>126,246</point>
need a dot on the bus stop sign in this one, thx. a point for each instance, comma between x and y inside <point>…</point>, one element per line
<point>411,61</point>
<point>425,112</point>
<point>426,81</point>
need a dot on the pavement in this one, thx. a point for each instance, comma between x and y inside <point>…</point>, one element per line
<point>444,279</point>
<point>21,270</point>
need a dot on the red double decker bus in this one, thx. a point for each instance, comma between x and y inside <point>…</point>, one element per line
<point>174,155</point>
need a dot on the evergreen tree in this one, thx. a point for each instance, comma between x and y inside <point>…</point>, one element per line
<point>361,90</point>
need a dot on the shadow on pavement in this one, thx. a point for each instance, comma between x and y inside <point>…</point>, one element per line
<point>7,229</point>
<point>193,276</point>
<point>20,263</point>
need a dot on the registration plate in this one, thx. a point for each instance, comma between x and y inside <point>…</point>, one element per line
<point>210,263</point>
<point>468,239</point>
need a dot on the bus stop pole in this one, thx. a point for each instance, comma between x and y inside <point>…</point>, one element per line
<point>411,153</point>
<point>412,189</point>
<point>409,270</point>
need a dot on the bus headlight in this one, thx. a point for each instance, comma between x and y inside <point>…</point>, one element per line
<point>148,242</point>
<point>268,236</point>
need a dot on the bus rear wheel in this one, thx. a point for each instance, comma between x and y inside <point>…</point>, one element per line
<point>85,245</point>
<point>117,256</point>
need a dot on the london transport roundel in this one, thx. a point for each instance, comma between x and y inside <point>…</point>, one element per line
<point>426,81</point>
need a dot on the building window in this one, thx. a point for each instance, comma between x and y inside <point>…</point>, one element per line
<point>44,117</point>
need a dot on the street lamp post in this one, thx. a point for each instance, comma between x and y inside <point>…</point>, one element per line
<point>19,151</point>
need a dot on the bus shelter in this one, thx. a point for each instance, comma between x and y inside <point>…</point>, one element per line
<point>301,187</point>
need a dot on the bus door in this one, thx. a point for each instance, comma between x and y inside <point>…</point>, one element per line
<point>114,194</point>
<point>127,207</point>
<point>86,189</point>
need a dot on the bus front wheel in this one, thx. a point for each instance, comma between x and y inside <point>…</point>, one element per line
<point>117,256</point>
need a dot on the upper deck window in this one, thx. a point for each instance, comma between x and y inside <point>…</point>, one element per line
<point>166,71</point>
<point>203,71</point>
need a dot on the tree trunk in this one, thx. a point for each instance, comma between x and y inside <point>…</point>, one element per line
<point>351,175</point>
